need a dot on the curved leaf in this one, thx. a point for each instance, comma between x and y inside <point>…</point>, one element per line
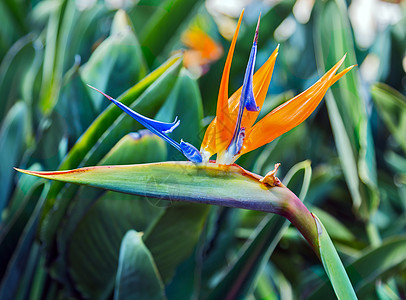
<point>333,265</point>
<point>137,275</point>
<point>211,183</point>
<point>225,185</point>
<point>371,265</point>
<point>116,64</point>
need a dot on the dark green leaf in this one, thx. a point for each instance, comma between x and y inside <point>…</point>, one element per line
<point>17,265</point>
<point>137,275</point>
<point>93,212</point>
<point>13,135</point>
<point>161,26</point>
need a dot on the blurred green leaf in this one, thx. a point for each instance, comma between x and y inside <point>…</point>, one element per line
<point>162,24</point>
<point>137,275</point>
<point>13,67</point>
<point>335,228</point>
<point>240,279</point>
<point>391,106</point>
<point>58,30</point>
<point>344,148</point>
<point>347,111</point>
<point>13,226</point>
<point>14,25</point>
<point>75,104</point>
<point>13,134</point>
<point>174,235</point>
<point>17,265</point>
<point>23,191</point>
<point>116,64</point>
<point>385,292</point>
<point>51,136</point>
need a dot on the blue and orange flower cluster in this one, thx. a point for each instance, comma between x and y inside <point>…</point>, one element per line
<point>233,133</point>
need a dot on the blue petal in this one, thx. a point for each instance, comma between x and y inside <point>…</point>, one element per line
<point>247,94</point>
<point>160,128</point>
<point>240,140</point>
<point>235,147</point>
<point>191,152</point>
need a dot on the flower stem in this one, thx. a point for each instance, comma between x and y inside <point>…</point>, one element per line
<point>298,214</point>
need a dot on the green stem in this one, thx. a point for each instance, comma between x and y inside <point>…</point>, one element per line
<point>298,214</point>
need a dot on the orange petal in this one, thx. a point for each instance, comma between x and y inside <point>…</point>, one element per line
<point>224,120</point>
<point>291,113</point>
<point>216,133</point>
<point>261,81</point>
<point>341,74</point>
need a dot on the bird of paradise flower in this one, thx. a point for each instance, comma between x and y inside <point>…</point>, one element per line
<point>232,133</point>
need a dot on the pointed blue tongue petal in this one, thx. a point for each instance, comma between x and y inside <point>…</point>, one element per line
<point>247,93</point>
<point>160,128</point>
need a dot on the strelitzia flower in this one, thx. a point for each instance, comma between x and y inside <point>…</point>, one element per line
<point>232,133</point>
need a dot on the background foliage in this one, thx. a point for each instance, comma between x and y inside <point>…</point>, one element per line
<point>347,161</point>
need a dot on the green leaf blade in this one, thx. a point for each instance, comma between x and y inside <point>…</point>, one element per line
<point>137,275</point>
<point>333,265</point>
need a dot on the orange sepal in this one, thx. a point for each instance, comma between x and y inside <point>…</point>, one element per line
<point>291,113</point>
<point>222,113</point>
<point>261,81</point>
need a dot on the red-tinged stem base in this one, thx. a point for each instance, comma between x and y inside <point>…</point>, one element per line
<point>298,214</point>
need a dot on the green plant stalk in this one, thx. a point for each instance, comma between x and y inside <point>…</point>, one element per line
<point>298,214</point>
